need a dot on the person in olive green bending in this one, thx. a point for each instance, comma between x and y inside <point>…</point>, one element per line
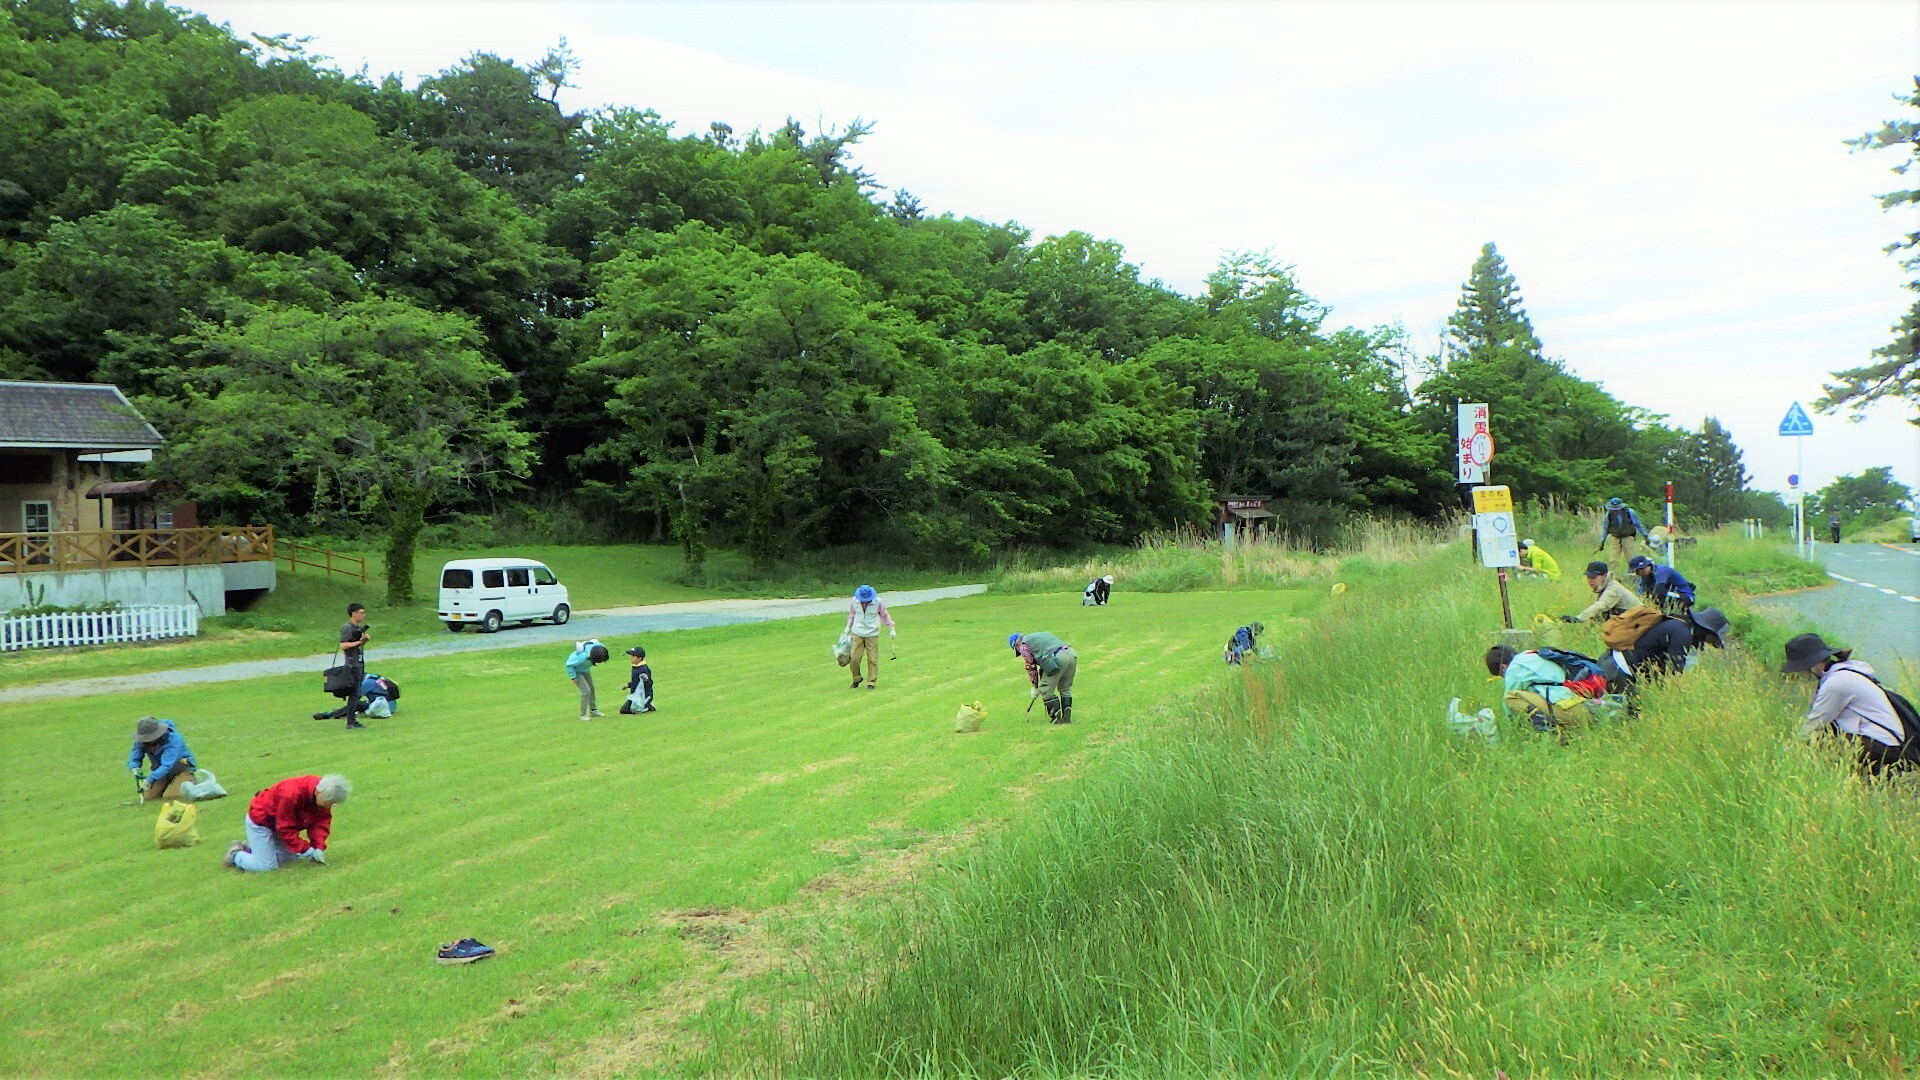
<point>1050,664</point>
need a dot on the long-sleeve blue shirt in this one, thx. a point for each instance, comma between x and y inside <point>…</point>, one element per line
<point>169,755</point>
<point>580,661</point>
<point>1665,580</point>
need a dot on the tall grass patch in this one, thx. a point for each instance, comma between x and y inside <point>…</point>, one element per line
<point>1309,873</point>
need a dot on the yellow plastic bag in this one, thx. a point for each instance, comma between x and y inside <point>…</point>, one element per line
<point>968,720</point>
<point>176,826</point>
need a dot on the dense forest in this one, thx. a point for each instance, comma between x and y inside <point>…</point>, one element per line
<point>355,303</point>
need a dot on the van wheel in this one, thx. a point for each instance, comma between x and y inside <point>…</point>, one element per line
<point>456,627</point>
<point>561,614</point>
<point>490,624</point>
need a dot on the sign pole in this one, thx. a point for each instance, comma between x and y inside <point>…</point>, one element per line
<point>1506,606</point>
<point>1803,545</point>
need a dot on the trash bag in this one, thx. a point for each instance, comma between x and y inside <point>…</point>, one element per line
<point>205,788</point>
<point>843,650</point>
<point>175,828</point>
<point>968,720</point>
<point>1475,724</point>
<point>380,707</point>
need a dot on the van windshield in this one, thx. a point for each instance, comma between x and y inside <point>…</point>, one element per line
<point>457,579</point>
<point>543,576</point>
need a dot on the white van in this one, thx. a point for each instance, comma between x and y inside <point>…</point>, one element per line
<point>488,592</point>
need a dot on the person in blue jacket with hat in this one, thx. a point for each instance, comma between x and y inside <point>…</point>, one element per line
<point>1662,585</point>
<point>158,742</point>
<point>1621,523</point>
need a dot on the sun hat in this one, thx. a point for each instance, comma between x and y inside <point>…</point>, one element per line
<point>149,729</point>
<point>1597,568</point>
<point>1528,542</point>
<point>864,594</point>
<point>1639,562</point>
<point>1616,503</point>
<point>1712,621</point>
<point>1807,650</point>
<point>637,651</point>
<point>1013,641</point>
<point>1108,579</point>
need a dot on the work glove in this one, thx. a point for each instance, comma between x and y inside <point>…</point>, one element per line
<point>1569,618</point>
<point>314,854</point>
<point>1033,691</point>
<point>892,633</point>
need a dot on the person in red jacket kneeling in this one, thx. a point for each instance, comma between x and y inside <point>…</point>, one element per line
<point>277,817</point>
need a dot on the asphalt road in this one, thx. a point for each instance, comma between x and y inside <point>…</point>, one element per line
<point>610,623</point>
<point>1872,605</point>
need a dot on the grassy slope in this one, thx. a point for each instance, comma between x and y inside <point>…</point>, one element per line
<point>1316,876</point>
<point>602,860</point>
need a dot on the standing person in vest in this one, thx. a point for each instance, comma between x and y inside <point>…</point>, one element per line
<point>1851,702</point>
<point>1622,524</point>
<point>1050,665</point>
<point>864,617</point>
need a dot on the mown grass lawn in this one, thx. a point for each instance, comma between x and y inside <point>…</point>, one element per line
<point>605,861</point>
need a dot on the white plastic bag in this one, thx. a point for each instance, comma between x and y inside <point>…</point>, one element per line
<point>843,650</point>
<point>204,789</point>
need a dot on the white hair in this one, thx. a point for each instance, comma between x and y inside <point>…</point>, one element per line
<point>334,788</point>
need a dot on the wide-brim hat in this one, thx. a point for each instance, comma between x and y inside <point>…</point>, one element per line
<point>1807,650</point>
<point>1108,579</point>
<point>149,729</point>
<point>864,594</point>
<point>1712,620</point>
<point>1616,503</point>
<point>1598,569</point>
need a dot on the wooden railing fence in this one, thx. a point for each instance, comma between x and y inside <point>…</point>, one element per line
<point>118,549</point>
<point>298,554</point>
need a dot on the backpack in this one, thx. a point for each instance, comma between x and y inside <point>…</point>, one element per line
<point>1583,672</point>
<point>1623,631</point>
<point>1620,523</point>
<point>1909,720</point>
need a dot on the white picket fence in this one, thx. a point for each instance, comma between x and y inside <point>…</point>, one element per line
<point>61,628</point>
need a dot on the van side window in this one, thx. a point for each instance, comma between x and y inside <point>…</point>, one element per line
<point>452,579</point>
<point>493,579</point>
<point>517,577</point>
<point>543,576</point>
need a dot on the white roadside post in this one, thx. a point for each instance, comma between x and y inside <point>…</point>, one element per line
<point>1672,545</point>
<point>1797,425</point>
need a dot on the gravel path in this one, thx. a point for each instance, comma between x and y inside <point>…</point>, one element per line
<point>606,623</point>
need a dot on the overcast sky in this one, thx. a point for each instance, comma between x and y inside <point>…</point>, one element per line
<point>1667,180</point>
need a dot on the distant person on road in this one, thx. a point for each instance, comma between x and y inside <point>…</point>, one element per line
<point>1050,665</point>
<point>353,646</point>
<point>1535,560</point>
<point>639,683</point>
<point>1610,597</point>
<point>1851,702</point>
<point>1833,526</point>
<point>1097,591</point>
<point>580,664</point>
<point>1662,585</point>
<point>1622,524</point>
<point>864,616</point>
<point>158,742</point>
<point>279,814</point>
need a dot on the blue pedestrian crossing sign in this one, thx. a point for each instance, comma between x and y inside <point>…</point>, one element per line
<point>1797,422</point>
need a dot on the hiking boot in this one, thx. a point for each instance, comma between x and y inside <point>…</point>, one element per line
<point>649,709</point>
<point>233,849</point>
<point>870,686</point>
<point>856,683</point>
<point>354,725</point>
<point>596,712</point>
<point>464,951</point>
<point>585,719</point>
<point>323,716</point>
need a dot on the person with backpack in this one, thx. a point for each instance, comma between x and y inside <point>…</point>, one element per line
<point>1620,523</point>
<point>864,617</point>
<point>580,664</point>
<point>1851,701</point>
<point>1244,640</point>
<point>1549,687</point>
<point>1610,598</point>
<point>1050,666</point>
<point>1662,585</point>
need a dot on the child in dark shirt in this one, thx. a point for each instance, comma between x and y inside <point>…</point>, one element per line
<point>639,684</point>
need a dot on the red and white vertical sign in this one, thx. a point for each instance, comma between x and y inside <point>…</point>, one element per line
<point>1476,443</point>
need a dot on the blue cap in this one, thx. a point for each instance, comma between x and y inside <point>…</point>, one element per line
<point>1639,562</point>
<point>1616,503</point>
<point>1013,641</point>
<point>864,594</point>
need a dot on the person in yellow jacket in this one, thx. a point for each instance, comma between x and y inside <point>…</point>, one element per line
<point>1534,559</point>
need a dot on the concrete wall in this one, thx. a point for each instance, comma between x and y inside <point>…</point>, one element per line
<point>202,585</point>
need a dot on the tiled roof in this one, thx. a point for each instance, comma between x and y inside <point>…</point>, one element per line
<point>71,416</point>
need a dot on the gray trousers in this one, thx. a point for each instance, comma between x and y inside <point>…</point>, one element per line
<point>584,681</point>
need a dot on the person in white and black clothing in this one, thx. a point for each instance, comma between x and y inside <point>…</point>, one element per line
<point>1851,701</point>
<point>353,646</point>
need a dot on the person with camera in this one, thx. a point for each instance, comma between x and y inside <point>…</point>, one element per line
<point>353,647</point>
